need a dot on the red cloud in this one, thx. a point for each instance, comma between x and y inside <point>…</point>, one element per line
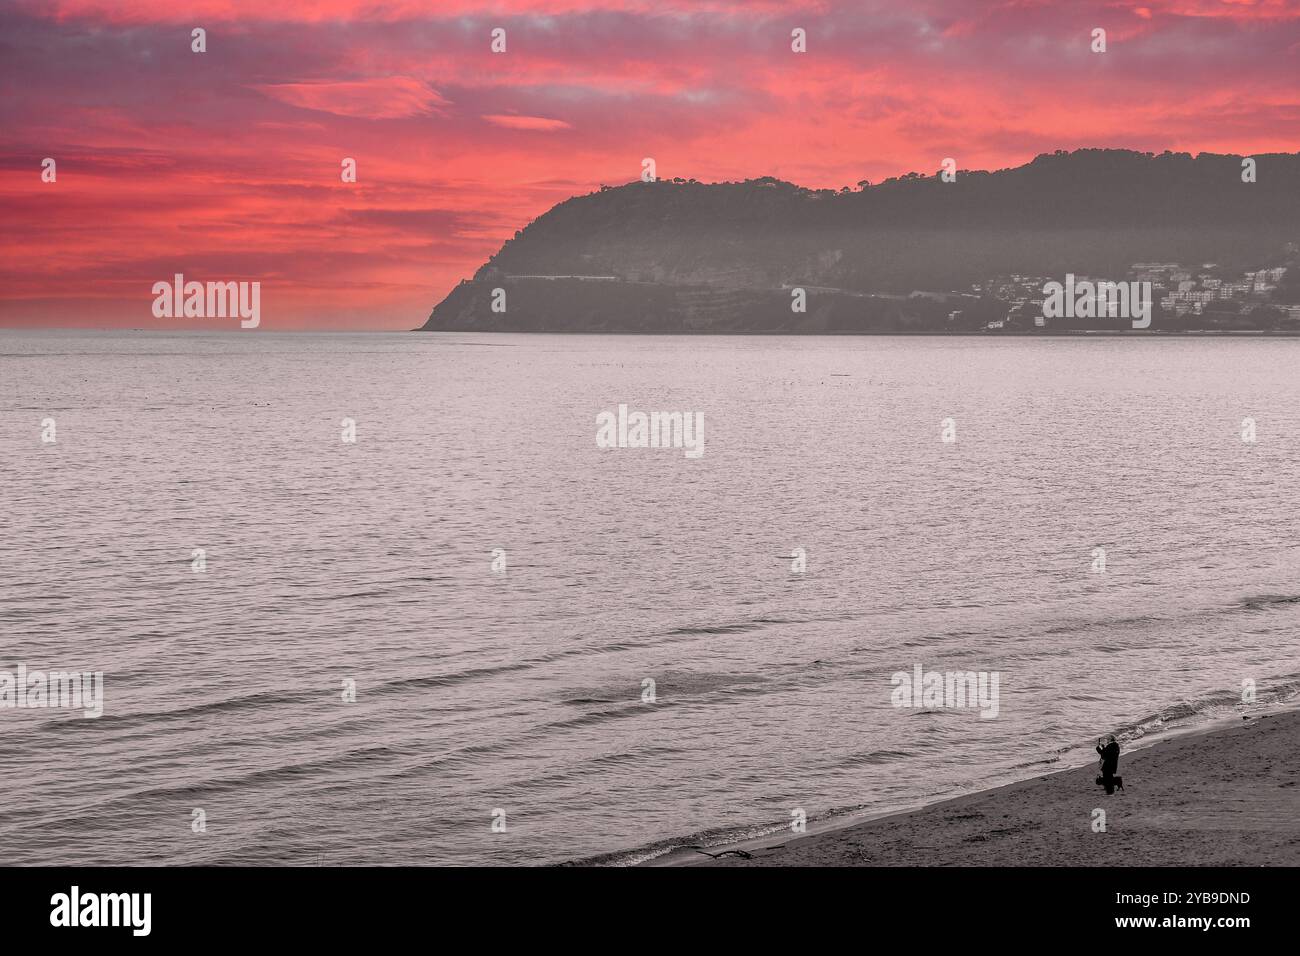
<point>539,123</point>
<point>388,97</point>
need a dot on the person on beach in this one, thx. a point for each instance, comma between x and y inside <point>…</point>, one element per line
<point>1109,751</point>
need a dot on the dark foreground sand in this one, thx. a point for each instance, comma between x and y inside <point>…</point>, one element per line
<point>1227,796</point>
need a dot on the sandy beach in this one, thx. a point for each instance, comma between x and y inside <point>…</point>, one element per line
<point>1224,796</point>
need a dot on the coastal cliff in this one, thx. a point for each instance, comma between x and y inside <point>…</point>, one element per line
<point>911,254</point>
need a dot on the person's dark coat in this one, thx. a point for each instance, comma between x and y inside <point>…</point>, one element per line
<point>1109,758</point>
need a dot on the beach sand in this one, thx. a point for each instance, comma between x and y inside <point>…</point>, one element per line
<point>1228,796</point>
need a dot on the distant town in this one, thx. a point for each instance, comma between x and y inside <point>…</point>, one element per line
<point>1205,296</point>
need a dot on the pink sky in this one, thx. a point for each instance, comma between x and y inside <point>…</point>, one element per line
<point>225,165</point>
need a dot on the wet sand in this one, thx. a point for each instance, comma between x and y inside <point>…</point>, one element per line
<point>1221,797</point>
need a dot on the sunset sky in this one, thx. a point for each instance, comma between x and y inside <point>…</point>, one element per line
<point>225,165</point>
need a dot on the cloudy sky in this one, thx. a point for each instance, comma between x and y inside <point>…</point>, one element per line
<point>225,165</point>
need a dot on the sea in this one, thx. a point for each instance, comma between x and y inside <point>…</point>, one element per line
<point>384,599</point>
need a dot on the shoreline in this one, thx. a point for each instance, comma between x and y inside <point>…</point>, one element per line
<point>1226,793</point>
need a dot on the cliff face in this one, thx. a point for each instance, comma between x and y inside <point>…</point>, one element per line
<point>675,256</point>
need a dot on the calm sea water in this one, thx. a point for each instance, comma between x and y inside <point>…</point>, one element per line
<point>479,691</point>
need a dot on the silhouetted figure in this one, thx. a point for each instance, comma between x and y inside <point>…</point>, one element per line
<point>1109,751</point>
